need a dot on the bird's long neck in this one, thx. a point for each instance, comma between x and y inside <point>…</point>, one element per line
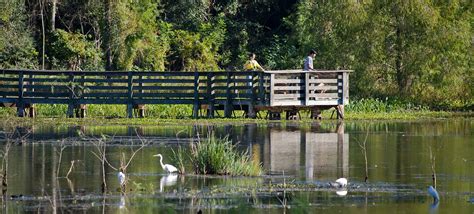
<point>161,162</point>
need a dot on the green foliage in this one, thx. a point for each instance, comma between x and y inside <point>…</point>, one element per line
<point>143,41</point>
<point>74,51</point>
<point>417,51</point>
<point>220,156</point>
<point>372,105</point>
<point>17,48</point>
<point>197,51</point>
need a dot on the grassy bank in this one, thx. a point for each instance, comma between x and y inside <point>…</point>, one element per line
<point>363,109</point>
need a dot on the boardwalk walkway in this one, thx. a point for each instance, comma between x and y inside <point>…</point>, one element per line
<point>273,91</point>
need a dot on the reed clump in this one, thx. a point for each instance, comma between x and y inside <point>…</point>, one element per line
<point>219,156</point>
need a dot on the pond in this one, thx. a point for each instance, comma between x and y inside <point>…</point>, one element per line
<point>389,165</point>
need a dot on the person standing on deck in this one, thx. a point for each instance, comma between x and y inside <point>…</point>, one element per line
<point>308,61</point>
<point>252,64</point>
<point>308,66</point>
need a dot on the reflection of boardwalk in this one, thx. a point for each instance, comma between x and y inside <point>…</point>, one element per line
<point>285,151</point>
<point>319,154</point>
<point>326,155</point>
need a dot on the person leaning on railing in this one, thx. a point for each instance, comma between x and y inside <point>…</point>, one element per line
<point>308,65</point>
<point>252,65</point>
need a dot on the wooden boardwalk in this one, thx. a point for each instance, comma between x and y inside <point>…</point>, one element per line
<point>273,91</point>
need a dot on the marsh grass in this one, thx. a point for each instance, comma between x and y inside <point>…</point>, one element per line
<point>219,156</point>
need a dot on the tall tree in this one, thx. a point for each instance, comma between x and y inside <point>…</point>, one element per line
<point>17,48</point>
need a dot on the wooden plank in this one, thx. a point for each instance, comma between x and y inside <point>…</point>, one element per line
<point>289,81</point>
<point>105,94</point>
<point>7,86</point>
<point>325,87</point>
<point>106,87</point>
<point>45,94</point>
<point>287,102</point>
<point>52,79</point>
<point>287,96</point>
<point>158,95</point>
<point>316,81</point>
<point>102,80</point>
<point>176,88</point>
<point>9,93</point>
<point>288,88</point>
<point>9,79</point>
<point>322,102</point>
<point>323,95</point>
<point>190,81</point>
<point>301,71</point>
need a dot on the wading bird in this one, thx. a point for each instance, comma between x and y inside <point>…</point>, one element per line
<point>432,191</point>
<point>339,183</point>
<point>167,167</point>
<point>121,178</point>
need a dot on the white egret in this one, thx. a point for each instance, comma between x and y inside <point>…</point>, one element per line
<point>339,183</point>
<point>432,191</point>
<point>121,178</point>
<point>167,167</point>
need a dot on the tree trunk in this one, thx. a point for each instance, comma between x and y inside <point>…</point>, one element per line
<point>42,34</point>
<point>53,14</point>
<point>108,35</point>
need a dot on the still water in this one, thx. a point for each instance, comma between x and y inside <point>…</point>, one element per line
<point>389,165</point>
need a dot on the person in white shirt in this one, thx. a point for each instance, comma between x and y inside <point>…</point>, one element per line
<point>308,61</point>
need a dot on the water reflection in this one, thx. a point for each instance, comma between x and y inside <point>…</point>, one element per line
<point>401,158</point>
<point>321,154</point>
<point>168,180</point>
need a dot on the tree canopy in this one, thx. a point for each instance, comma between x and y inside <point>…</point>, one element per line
<point>417,51</point>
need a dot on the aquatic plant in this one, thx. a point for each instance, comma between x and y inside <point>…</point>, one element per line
<point>219,156</point>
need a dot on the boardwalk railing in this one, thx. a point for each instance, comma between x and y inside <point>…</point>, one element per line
<point>228,91</point>
<point>309,88</point>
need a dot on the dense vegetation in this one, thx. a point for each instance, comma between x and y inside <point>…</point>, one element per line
<point>418,52</point>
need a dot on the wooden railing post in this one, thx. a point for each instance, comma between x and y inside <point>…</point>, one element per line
<point>130,95</point>
<point>210,94</point>
<point>340,95</point>
<point>261,88</point>
<point>272,88</point>
<point>253,99</point>
<point>306,88</point>
<point>70,106</point>
<point>20,104</point>
<point>196,95</point>
<point>228,106</point>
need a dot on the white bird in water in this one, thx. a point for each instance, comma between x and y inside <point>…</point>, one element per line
<point>121,178</point>
<point>167,167</point>
<point>339,183</point>
<point>432,191</point>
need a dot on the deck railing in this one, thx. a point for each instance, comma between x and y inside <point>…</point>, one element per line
<point>309,88</point>
<point>226,89</point>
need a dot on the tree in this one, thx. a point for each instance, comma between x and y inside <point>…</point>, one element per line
<point>17,48</point>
